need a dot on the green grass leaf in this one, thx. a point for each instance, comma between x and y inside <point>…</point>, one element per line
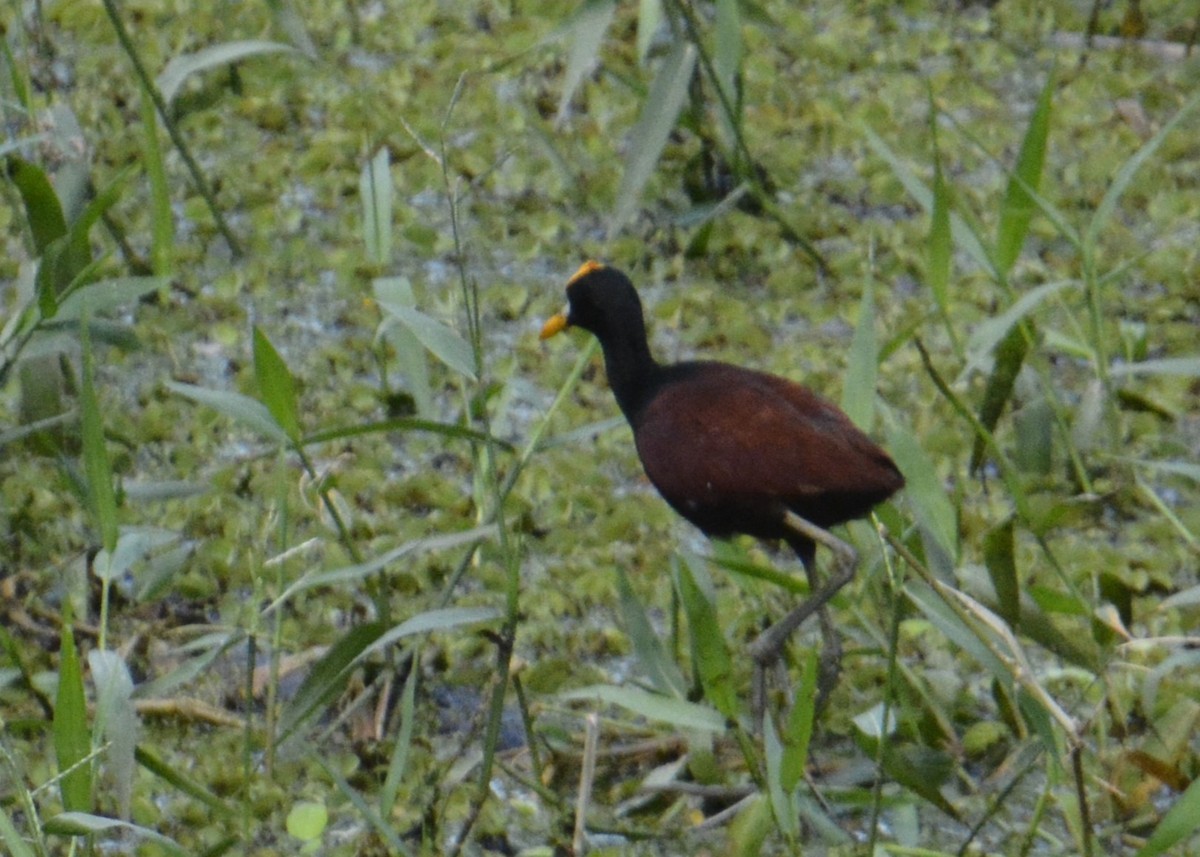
<point>923,771</point>
<point>987,336</point>
<point>1018,207</point>
<point>249,412</point>
<point>727,55</point>
<point>117,723</point>
<point>183,66</point>
<point>649,136</point>
<point>650,15</point>
<point>441,619</point>
<point>966,238</point>
<point>327,678</point>
<point>405,424</point>
<point>658,666</point>
<point>410,354</point>
<point>162,220</point>
<point>329,675</point>
<point>376,191</point>
<point>1186,367</point>
<point>585,33</point>
<point>177,779</point>
<point>958,632</point>
<point>664,709</point>
<point>275,385</point>
<point>799,725</point>
<point>12,838</point>
<point>102,497</point>
<point>105,295</point>
<point>1001,565</point>
<point>398,763</point>
<point>786,817</point>
<point>442,341</point>
<point>43,211</point>
<point>1108,204</point>
<point>858,393</point>
<point>355,573</point>
<point>1181,821</point>
<point>934,510</point>
<point>72,739</point>
<point>86,824</point>
<point>712,661</point>
<point>1179,468</point>
<point>1009,356</point>
<point>940,247</point>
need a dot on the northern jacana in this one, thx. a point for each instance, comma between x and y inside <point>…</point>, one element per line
<point>736,451</point>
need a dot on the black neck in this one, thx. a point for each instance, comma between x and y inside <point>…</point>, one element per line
<point>631,372</point>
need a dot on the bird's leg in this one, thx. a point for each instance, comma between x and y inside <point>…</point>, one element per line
<point>829,666</point>
<point>769,646</point>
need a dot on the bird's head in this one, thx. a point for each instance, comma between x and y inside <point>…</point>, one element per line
<point>601,300</point>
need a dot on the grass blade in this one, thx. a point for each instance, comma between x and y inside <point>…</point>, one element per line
<point>328,677</point>
<point>998,557</point>
<point>727,56</point>
<point>356,573</point>
<point>964,236</point>
<point>665,709</point>
<point>711,655</point>
<point>1108,205</point>
<point>72,741</point>
<point>586,34</point>
<point>934,511</point>
<point>940,246</point>
<point>249,412</point>
<point>958,632</point>
<point>650,15</point>
<point>162,221</point>
<point>1181,821</point>
<point>410,354</point>
<point>275,385</point>
<point>987,336</point>
<point>403,424</point>
<point>1187,367</point>
<point>1026,177</point>
<point>1010,356</point>
<point>660,669</point>
<point>442,341</point>
<point>376,191</point>
<point>95,454</point>
<point>87,824</point>
<point>181,781</point>
<point>181,67</point>
<point>440,619</point>
<point>858,394</point>
<point>43,211</point>
<point>799,725</point>
<point>12,838</point>
<point>117,722</point>
<point>398,764</point>
<point>104,295</point>
<point>649,135</point>
<point>781,799</point>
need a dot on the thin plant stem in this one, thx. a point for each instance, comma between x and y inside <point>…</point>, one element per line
<point>894,588</point>
<point>114,17</point>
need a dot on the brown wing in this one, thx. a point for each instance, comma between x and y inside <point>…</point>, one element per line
<point>731,449</point>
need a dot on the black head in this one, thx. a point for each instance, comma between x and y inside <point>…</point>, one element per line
<point>603,301</point>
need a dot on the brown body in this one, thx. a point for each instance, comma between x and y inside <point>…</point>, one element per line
<point>732,450</point>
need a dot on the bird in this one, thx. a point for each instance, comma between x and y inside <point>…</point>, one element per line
<point>737,451</point>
